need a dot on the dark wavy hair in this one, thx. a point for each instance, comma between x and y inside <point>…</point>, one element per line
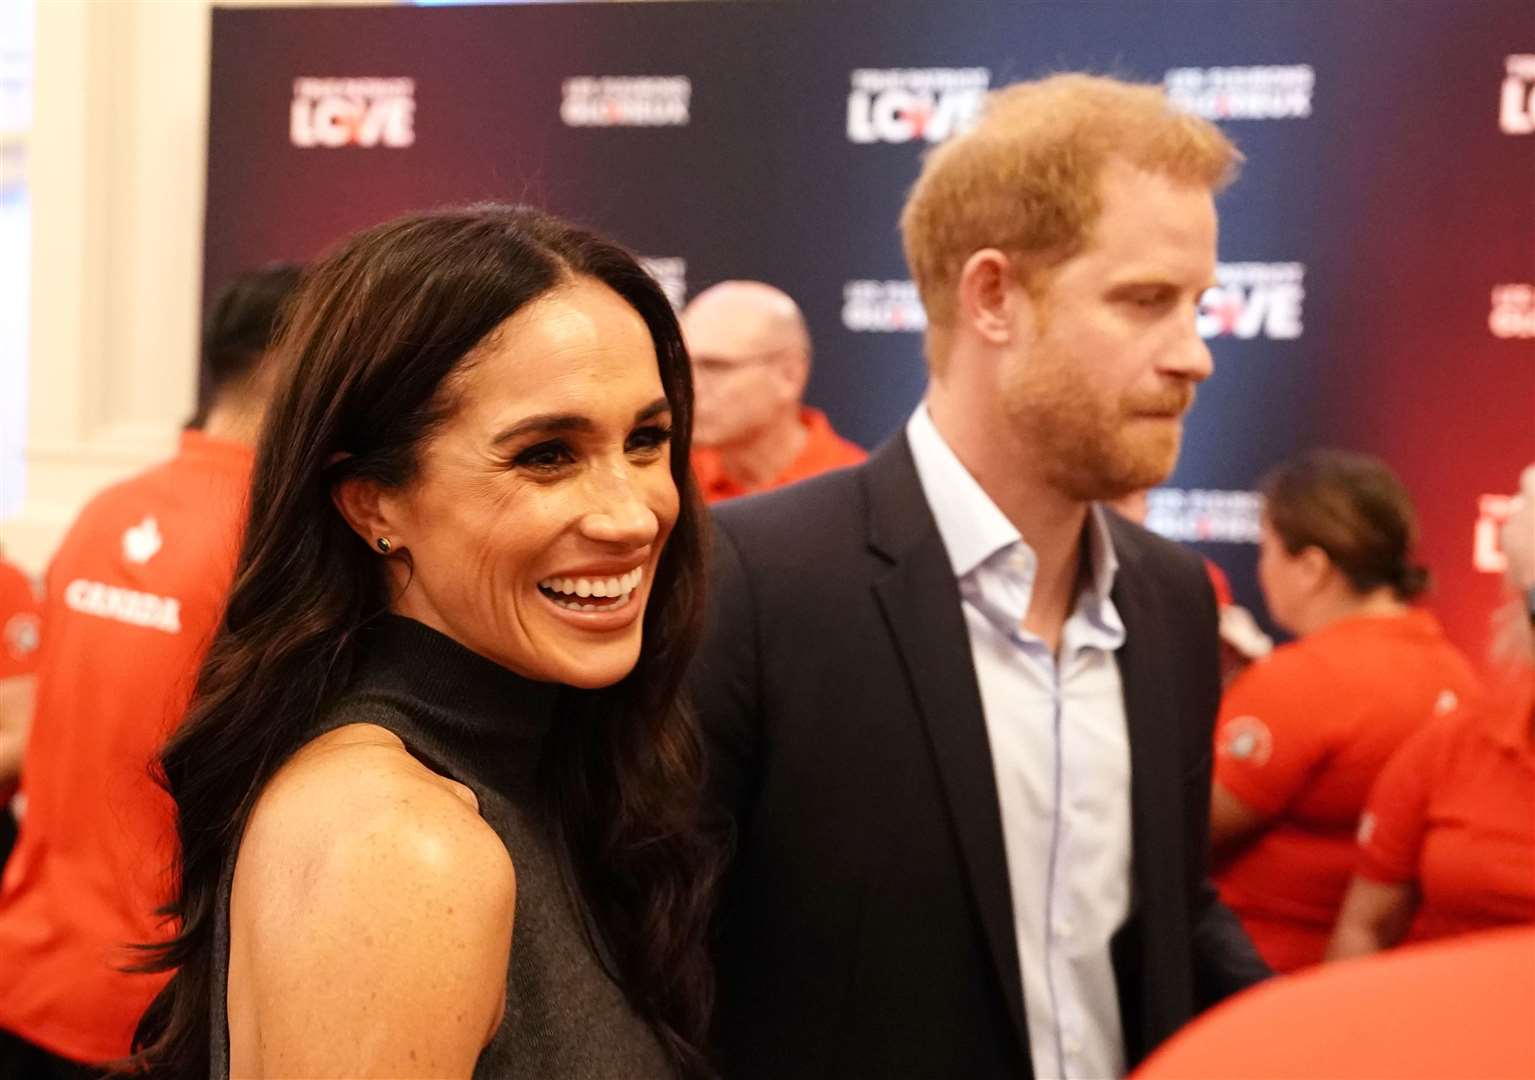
<point>379,327</point>
<point>1355,510</point>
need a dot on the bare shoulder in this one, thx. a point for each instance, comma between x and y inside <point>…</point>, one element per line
<point>355,797</point>
<point>371,917</point>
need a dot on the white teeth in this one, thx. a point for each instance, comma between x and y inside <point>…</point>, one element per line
<point>616,589</point>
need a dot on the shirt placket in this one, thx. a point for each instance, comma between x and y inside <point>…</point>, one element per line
<point>1059,927</point>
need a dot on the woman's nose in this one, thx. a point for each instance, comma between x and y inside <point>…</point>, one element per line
<point>620,515</point>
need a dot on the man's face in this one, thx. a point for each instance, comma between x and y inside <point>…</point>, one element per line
<point>1113,354</point>
<point>744,374</point>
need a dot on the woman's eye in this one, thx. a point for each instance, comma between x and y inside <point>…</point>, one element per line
<point>649,438</point>
<point>544,456</point>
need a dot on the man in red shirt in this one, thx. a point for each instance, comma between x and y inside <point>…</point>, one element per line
<point>134,593</point>
<point>20,633</point>
<point>751,360</point>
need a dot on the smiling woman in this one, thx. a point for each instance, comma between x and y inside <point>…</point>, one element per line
<point>437,792</point>
<point>553,467</point>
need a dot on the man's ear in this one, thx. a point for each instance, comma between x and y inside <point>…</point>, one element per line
<point>989,296</point>
<point>369,509</point>
<point>794,371</point>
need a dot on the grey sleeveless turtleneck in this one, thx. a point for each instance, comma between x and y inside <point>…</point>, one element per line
<point>472,720</point>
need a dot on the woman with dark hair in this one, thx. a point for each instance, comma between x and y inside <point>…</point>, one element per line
<point>1302,733</point>
<point>1447,843</point>
<point>437,793</point>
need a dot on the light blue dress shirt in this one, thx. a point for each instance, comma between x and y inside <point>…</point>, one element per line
<point>1060,753</point>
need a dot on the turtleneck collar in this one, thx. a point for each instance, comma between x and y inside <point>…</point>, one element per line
<point>470,709</point>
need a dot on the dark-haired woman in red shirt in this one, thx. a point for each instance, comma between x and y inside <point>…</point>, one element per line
<point>1447,844</point>
<point>1303,734</point>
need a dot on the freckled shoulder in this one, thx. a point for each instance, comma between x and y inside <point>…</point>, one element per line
<point>371,917</point>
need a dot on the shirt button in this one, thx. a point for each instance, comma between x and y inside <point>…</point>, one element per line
<point>1063,927</point>
<point>1073,1046</point>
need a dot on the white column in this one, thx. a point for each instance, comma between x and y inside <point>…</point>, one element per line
<point>117,170</point>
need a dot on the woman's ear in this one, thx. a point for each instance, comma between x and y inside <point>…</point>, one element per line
<point>369,508</point>
<point>1316,567</point>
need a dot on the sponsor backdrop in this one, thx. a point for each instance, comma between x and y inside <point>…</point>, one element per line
<point>1377,276</point>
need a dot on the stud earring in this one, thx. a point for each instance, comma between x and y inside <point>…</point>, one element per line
<point>383,544</point>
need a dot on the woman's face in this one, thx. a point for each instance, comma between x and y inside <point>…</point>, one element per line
<point>1281,577</point>
<point>540,508</point>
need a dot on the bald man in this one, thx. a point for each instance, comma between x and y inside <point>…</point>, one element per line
<point>751,360</point>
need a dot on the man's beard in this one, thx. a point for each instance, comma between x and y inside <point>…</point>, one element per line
<point>1092,449</point>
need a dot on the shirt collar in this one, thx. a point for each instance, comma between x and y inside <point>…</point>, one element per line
<point>1511,702</point>
<point>195,443</point>
<point>1100,548</point>
<point>974,529</point>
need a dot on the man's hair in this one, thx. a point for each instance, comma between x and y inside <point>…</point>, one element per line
<point>1027,178</point>
<point>241,326</point>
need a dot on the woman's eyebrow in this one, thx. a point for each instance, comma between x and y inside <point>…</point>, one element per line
<point>544,424</point>
<point>653,410</point>
<point>563,423</point>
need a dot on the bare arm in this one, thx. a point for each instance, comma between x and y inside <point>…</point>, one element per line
<point>1232,823</point>
<point>371,924</point>
<point>17,696</point>
<point>1374,917</point>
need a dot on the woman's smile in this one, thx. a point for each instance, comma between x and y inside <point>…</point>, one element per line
<point>595,601</point>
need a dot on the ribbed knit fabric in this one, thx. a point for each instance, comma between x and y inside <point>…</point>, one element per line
<point>470,719</point>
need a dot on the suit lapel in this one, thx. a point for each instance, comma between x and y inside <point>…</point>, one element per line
<point>1156,794</point>
<point>921,604</point>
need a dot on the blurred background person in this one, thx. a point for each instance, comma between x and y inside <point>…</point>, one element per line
<point>20,634</point>
<point>751,360</point>
<point>1303,733</point>
<point>1447,842</point>
<point>1451,1009</point>
<point>133,595</point>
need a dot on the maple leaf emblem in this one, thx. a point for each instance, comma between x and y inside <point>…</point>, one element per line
<point>141,541</point>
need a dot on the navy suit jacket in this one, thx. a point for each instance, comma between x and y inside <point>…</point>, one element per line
<point>867,926</point>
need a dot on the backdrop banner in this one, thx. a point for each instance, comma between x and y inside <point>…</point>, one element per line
<point>1377,255</point>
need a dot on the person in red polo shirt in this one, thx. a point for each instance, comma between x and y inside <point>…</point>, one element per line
<point>133,596</point>
<point>20,634</point>
<point>751,360</point>
<point>1447,842</point>
<point>1302,734</point>
<point>1451,1009</point>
